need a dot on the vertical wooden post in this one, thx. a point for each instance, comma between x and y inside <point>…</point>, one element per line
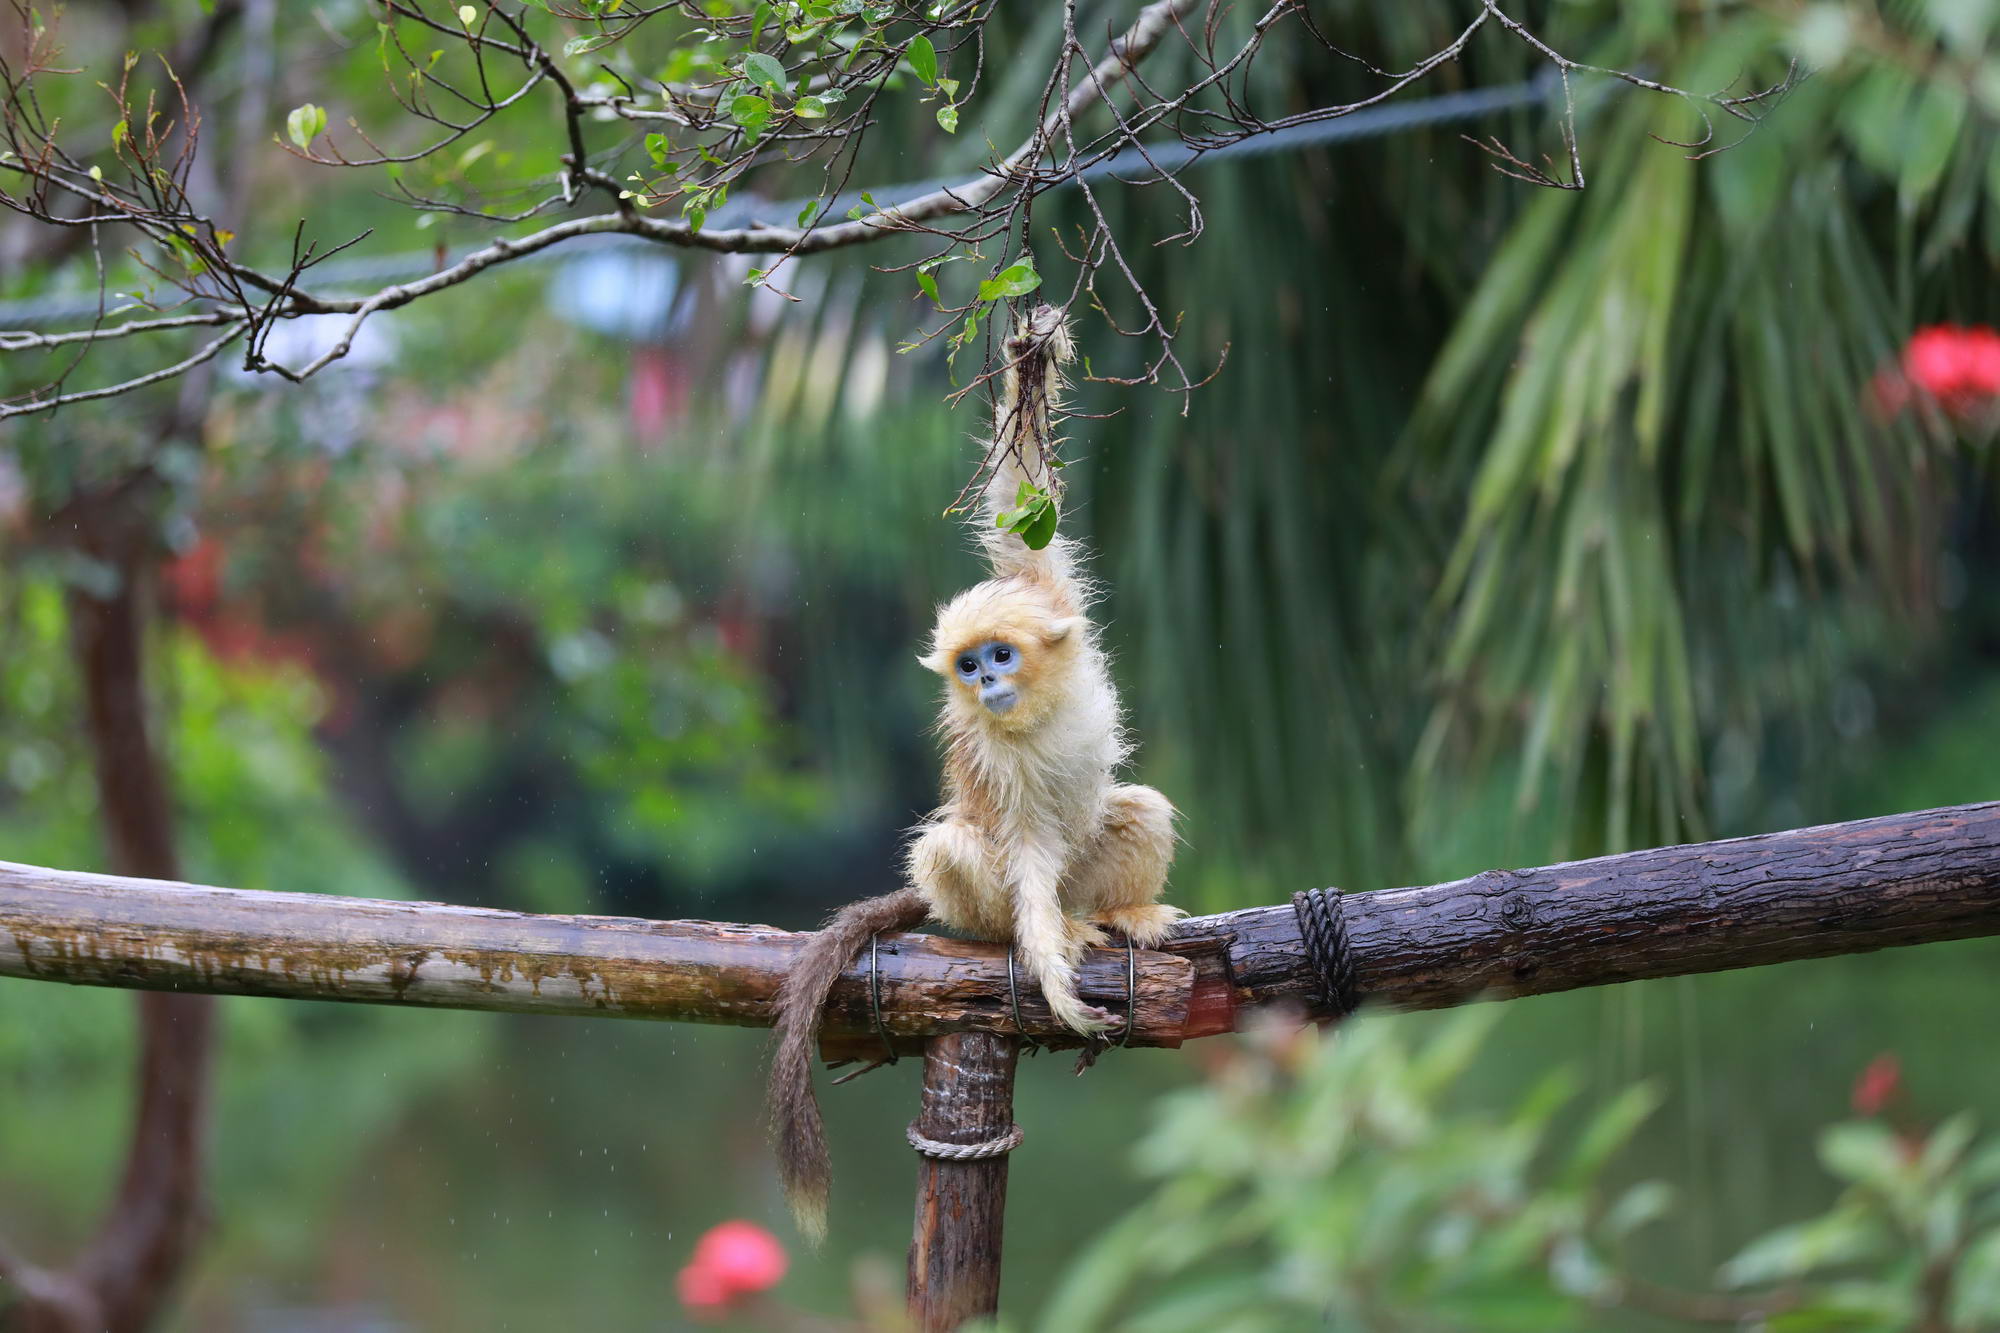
<point>955,1254</point>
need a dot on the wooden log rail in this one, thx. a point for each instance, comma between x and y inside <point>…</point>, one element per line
<point>1706,907</point>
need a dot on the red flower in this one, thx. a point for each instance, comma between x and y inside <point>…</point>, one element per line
<point>744,1255</point>
<point>733,1260</point>
<point>1878,1084</point>
<point>1957,366</point>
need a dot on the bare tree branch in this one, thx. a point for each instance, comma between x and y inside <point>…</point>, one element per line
<point>782,99</point>
<point>174,371</point>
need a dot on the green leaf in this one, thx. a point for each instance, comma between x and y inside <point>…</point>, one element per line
<point>752,112</point>
<point>760,68</point>
<point>929,286</point>
<point>947,118</point>
<point>1876,120</point>
<point>1014,280</point>
<point>1837,1238</point>
<point>1033,519</point>
<point>1829,1317</point>
<point>923,58</point>
<point>1861,1151</point>
<point>1932,133</point>
<point>1608,1131</point>
<point>810,108</point>
<point>1976,1290</point>
<point>1643,1203</point>
<point>656,148</point>
<point>1042,530</point>
<point>1946,1145</point>
<point>305,123</point>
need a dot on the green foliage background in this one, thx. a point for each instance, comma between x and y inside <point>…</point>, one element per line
<point>1518,525</point>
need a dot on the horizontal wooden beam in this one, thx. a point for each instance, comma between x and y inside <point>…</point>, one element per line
<point>102,930</point>
<point>1673,911</point>
<point>1668,912</point>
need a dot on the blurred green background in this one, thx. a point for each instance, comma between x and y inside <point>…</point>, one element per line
<point>1518,525</point>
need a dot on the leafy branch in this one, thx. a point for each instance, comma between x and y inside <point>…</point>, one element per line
<point>734,99</point>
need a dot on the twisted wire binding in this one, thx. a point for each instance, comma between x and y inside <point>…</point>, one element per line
<point>1033,1044</point>
<point>1131,991</point>
<point>965,1152</point>
<point>889,1056</point>
<point>1323,929</point>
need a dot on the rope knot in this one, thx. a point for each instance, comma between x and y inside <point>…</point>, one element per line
<point>1323,930</point>
<point>965,1152</point>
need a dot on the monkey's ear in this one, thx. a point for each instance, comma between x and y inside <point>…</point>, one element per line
<point>933,662</point>
<point>1058,630</point>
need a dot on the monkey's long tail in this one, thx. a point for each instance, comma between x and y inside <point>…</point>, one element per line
<point>803,1163</point>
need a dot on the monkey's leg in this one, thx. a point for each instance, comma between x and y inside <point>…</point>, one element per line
<point>1123,871</point>
<point>957,869</point>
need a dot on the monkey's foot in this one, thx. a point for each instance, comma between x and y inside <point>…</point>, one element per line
<point>1089,935</point>
<point>1145,925</point>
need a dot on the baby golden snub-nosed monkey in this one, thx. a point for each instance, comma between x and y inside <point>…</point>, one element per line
<point>1037,843</point>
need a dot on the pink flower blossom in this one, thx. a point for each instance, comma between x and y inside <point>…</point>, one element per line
<point>732,1261</point>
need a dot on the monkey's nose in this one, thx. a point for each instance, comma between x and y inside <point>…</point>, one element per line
<point>987,680</point>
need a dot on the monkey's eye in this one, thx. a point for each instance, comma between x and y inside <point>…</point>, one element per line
<point>968,666</point>
<point>1003,654</point>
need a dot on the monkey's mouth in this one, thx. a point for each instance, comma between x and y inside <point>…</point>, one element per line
<point>999,698</point>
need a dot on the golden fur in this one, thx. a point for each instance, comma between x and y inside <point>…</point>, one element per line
<point>1036,842</point>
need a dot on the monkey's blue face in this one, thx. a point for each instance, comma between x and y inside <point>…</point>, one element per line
<point>986,669</point>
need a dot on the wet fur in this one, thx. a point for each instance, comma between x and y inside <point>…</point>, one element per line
<point>803,1163</point>
<point>1036,843</point>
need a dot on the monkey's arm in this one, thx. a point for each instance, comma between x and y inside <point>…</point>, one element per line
<point>1049,938</point>
<point>959,871</point>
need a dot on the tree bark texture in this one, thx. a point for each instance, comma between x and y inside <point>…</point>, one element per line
<point>1674,911</point>
<point>955,1251</point>
<point>102,931</point>
<point>127,1273</point>
<point>1671,911</point>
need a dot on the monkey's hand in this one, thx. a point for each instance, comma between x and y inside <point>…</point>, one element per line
<point>1071,1012</point>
